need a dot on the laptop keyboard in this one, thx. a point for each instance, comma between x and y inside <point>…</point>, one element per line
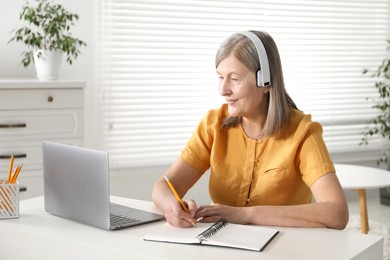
<point>119,220</point>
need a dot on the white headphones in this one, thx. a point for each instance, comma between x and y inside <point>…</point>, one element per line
<point>263,74</point>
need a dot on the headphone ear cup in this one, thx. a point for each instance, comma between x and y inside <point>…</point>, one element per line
<point>259,79</point>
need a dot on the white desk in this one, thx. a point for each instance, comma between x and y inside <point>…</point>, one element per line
<point>39,235</point>
<point>360,178</point>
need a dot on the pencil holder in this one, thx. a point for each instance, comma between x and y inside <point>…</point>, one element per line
<point>9,200</point>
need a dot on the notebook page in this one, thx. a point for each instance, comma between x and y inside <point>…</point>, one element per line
<point>168,233</point>
<point>242,236</point>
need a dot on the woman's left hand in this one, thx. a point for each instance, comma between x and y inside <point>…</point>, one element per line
<point>212,213</point>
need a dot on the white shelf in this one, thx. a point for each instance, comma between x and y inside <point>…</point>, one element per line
<point>32,83</point>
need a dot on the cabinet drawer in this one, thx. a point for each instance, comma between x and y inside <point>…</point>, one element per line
<point>28,153</point>
<point>40,123</point>
<point>12,99</point>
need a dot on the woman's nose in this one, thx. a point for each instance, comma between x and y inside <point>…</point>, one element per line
<point>224,87</point>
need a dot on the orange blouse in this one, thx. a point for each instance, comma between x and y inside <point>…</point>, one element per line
<point>274,171</point>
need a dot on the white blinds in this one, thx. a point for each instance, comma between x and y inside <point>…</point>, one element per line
<point>157,76</point>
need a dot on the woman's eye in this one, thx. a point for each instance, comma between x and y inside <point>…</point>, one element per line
<point>234,79</point>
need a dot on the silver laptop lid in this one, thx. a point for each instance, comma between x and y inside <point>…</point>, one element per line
<point>76,184</point>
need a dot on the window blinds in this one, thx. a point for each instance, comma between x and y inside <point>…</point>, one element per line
<point>157,77</point>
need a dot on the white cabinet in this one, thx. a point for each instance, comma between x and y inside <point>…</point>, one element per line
<point>32,111</point>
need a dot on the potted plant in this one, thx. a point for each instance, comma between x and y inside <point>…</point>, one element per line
<point>47,35</point>
<point>380,125</point>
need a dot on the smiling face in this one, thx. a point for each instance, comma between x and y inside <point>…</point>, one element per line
<point>237,84</point>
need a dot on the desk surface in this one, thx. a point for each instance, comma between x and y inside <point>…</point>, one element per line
<point>46,236</point>
<point>361,177</point>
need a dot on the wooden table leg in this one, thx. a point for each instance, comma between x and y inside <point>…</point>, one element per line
<point>363,210</point>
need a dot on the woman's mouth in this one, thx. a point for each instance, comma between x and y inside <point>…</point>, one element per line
<point>231,101</point>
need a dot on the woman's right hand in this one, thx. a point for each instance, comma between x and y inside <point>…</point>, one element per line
<point>182,177</point>
<point>176,216</point>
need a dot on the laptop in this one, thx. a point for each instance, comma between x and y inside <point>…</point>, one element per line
<point>77,187</point>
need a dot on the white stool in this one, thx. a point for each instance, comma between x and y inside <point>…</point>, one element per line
<point>360,178</point>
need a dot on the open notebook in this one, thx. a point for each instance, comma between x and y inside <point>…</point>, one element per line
<point>221,233</point>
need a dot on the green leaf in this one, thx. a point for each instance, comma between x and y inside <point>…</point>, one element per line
<point>47,26</point>
<point>380,125</point>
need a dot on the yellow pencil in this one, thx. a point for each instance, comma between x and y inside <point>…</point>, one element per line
<point>178,198</point>
<point>11,165</point>
<point>15,175</point>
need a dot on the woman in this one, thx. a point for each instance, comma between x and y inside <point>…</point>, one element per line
<point>267,159</point>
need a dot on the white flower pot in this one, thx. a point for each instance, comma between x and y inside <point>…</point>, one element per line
<point>47,64</point>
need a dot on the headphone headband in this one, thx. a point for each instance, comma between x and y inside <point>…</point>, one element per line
<point>263,74</point>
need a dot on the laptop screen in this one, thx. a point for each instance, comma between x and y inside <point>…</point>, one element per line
<point>76,183</point>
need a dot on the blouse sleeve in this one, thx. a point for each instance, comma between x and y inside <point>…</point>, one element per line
<point>314,157</point>
<point>198,149</point>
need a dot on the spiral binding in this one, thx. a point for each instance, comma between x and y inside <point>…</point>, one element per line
<point>212,230</point>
